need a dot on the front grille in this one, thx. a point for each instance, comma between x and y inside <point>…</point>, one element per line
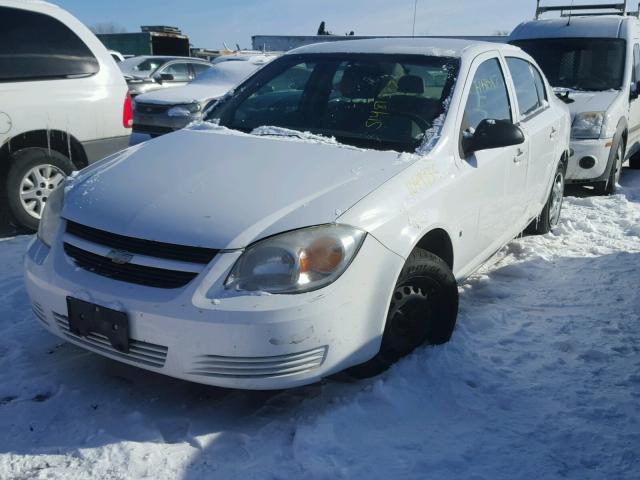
<point>143,247</point>
<point>128,272</point>
<point>258,367</point>
<point>144,353</point>
<point>151,108</point>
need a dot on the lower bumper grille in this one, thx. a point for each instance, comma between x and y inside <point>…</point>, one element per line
<point>128,272</point>
<point>154,129</point>
<point>258,367</point>
<point>143,353</point>
<point>38,311</point>
<point>151,108</point>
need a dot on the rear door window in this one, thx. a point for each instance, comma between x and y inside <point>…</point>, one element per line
<point>180,72</point>
<point>524,80</point>
<point>541,89</point>
<point>35,46</point>
<point>198,68</point>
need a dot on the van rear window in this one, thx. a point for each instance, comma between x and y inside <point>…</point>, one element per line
<point>34,46</point>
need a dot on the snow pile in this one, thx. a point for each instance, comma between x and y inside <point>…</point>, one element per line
<point>541,380</point>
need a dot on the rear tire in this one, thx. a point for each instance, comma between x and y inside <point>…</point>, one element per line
<point>550,215</point>
<point>423,309</point>
<point>33,174</point>
<point>634,161</point>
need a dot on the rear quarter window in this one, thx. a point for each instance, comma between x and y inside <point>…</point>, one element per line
<point>35,46</point>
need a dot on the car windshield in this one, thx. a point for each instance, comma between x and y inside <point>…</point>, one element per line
<point>379,101</point>
<point>593,64</point>
<point>227,73</point>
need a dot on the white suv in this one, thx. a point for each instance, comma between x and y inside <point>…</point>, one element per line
<point>63,104</point>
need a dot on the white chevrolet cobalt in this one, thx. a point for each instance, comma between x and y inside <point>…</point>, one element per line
<point>318,220</point>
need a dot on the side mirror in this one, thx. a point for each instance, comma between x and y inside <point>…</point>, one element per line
<point>491,134</point>
<point>163,77</point>
<point>635,90</point>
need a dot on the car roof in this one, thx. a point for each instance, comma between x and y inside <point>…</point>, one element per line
<point>167,57</point>
<point>439,47</point>
<point>605,26</point>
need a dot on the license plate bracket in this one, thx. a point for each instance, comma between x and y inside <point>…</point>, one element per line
<point>86,317</point>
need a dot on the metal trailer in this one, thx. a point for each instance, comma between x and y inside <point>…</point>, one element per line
<point>151,40</point>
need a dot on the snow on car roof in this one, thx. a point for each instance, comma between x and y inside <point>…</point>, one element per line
<point>606,26</point>
<point>439,47</point>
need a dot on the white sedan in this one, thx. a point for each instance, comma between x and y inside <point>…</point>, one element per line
<point>318,220</point>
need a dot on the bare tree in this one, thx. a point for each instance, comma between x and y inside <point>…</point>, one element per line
<point>501,33</point>
<point>107,27</point>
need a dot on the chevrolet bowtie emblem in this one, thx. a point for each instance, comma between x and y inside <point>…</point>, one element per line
<point>119,257</point>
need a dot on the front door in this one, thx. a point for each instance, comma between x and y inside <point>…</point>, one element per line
<point>482,190</point>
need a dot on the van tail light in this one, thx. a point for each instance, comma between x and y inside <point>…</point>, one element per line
<point>127,113</point>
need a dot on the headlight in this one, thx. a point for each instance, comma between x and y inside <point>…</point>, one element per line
<point>50,219</point>
<point>184,110</point>
<point>587,125</point>
<point>297,261</point>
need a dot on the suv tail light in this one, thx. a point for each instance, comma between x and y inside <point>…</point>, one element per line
<point>127,114</point>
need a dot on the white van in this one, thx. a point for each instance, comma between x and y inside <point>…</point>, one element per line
<point>593,63</point>
<point>63,104</point>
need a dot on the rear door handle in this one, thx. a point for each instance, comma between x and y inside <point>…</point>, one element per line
<point>553,132</point>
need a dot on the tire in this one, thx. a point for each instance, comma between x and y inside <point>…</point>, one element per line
<point>608,187</point>
<point>550,215</point>
<point>423,309</point>
<point>634,161</point>
<point>33,174</point>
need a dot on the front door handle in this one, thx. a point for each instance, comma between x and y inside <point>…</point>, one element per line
<point>519,155</point>
<point>553,132</point>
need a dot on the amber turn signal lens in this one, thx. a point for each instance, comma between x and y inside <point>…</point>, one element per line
<point>322,256</point>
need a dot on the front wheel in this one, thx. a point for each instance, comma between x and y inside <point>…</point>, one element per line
<point>423,309</point>
<point>33,175</point>
<point>550,215</point>
<point>608,187</point>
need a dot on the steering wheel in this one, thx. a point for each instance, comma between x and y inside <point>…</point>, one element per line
<point>423,124</point>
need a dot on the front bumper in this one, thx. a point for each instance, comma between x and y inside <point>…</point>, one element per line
<point>241,341</point>
<point>598,149</point>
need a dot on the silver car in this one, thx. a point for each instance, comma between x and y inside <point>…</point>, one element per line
<point>146,73</point>
<point>164,111</point>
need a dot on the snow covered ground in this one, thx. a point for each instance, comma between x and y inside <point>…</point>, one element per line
<point>541,380</point>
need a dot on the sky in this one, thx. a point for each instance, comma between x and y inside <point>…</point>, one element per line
<point>209,23</point>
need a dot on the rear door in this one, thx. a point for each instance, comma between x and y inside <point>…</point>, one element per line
<point>634,103</point>
<point>529,174</point>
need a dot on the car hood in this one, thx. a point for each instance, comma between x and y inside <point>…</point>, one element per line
<point>591,101</point>
<point>224,190</point>
<point>186,94</point>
